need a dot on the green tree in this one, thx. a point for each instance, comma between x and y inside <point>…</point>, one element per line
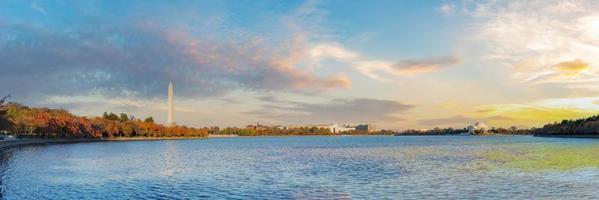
<point>149,119</point>
<point>124,117</point>
<point>112,117</point>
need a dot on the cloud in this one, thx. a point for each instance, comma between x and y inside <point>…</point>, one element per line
<point>447,8</point>
<point>486,110</point>
<point>139,58</point>
<point>538,116</point>
<point>504,120</point>
<point>460,120</point>
<point>574,71</point>
<point>379,69</point>
<point>541,112</point>
<point>137,55</point>
<point>572,68</point>
<point>428,65</point>
<point>331,50</point>
<point>361,110</point>
<point>534,38</point>
<point>454,120</point>
<point>38,8</point>
<point>498,118</point>
<point>114,104</point>
<point>449,105</point>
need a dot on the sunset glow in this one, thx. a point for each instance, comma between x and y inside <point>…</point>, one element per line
<point>397,64</point>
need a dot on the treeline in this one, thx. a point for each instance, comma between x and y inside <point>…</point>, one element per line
<point>59,123</point>
<point>584,126</point>
<point>451,131</point>
<point>277,131</point>
<point>511,131</point>
<point>435,131</point>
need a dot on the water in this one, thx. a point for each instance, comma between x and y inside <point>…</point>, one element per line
<point>370,167</point>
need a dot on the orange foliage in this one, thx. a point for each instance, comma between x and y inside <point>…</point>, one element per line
<point>44,122</point>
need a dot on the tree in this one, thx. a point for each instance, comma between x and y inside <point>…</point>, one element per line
<point>124,117</point>
<point>112,117</point>
<point>149,119</point>
<point>60,123</point>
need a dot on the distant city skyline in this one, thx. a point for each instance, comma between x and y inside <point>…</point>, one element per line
<point>396,64</point>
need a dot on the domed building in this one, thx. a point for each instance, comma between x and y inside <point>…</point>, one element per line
<point>479,128</point>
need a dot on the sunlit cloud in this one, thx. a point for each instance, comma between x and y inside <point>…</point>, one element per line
<point>428,65</point>
<point>540,112</point>
<point>335,51</point>
<point>361,110</point>
<point>379,70</point>
<point>139,58</point>
<point>537,39</point>
<point>486,61</point>
<point>448,121</point>
<point>450,105</point>
<point>486,110</point>
<point>535,116</point>
<point>572,68</point>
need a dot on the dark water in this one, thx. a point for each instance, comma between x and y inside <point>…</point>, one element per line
<point>376,167</point>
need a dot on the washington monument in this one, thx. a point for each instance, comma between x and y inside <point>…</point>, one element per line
<point>171,118</point>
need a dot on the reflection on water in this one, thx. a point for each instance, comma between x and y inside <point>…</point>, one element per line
<point>495,167</point>
<point>546,157</point>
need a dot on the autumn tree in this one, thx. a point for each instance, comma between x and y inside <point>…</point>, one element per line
<point>46,122</point>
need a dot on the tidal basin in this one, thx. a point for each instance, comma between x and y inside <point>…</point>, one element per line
<point>307,167</point>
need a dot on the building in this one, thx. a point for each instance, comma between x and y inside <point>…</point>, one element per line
<point>171,110</point>
<point>257,127</point>
<point>366,128</point>
<point>333,128</point>
<point>306,126</point>
<point>479,128</point>
<point>213,130</point>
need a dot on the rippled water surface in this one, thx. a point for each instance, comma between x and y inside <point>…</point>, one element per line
<point>375,167</point>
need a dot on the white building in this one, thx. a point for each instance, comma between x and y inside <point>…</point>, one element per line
<point>478,128</point>
<point>333,128</point>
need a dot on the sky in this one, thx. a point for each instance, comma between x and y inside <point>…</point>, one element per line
<point>396,64</point>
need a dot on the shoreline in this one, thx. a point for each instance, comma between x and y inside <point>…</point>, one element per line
<point>4,145</point>
<point>249,136</point>
<point>466,135</point>
<point>221,136</point>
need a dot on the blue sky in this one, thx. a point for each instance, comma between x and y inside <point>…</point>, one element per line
<point>397,64</point>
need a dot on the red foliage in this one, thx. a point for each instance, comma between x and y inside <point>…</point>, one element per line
<point>44,122</point>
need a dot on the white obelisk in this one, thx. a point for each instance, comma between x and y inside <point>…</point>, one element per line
<point>171,117</point>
